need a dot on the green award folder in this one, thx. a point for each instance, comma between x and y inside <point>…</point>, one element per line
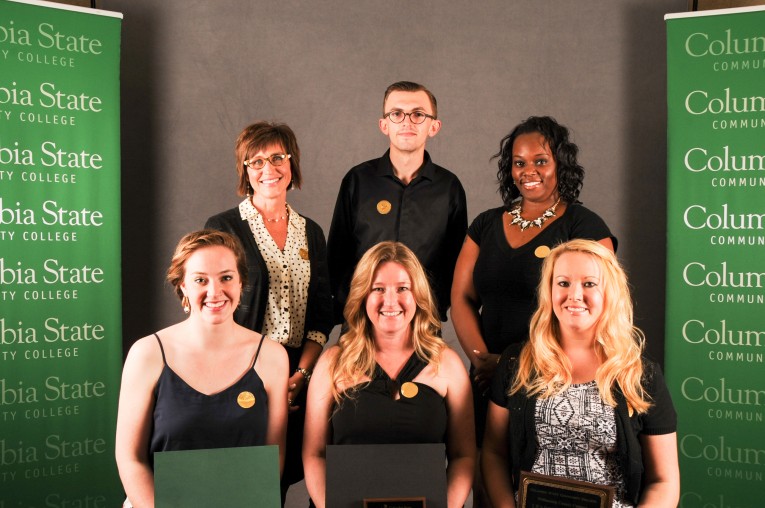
<point>230,477</point>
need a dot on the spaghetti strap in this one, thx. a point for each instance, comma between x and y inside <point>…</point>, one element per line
<point>164,360</point>
<point>257,353</point>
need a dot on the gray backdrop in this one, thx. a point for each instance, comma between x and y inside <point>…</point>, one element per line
<point>194,73</point>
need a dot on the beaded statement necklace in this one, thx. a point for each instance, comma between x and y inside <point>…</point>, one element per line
<point>526,224</point>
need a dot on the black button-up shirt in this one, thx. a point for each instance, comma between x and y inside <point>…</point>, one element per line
<point>429,215</point>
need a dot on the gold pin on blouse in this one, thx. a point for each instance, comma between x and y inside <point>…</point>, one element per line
<point>542,251</point>
<point>304,253</point>
<point>409,390</point>
<point>246,400</point>
<point>384,207</point>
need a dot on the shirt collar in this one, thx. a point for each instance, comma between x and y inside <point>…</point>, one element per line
<point>247,211</point>
<point>385,167</point>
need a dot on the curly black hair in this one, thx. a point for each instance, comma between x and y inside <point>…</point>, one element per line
<point>569,173</point>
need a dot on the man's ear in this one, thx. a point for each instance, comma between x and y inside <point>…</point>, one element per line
<point>435,126</point>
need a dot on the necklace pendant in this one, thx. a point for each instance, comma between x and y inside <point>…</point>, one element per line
<point>526,224</point>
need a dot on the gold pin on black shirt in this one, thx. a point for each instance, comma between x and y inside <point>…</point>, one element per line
<point>542,251</point>
<point>409,390</point>
<point>246,400</point>
<point>384,207</point>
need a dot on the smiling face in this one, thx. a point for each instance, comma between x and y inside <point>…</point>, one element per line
<point>212,284</point>
<point>269,182</point>
<point>408,137</point>
<point>534,169</point>
<point>390,304</point>
<point>577,293</point>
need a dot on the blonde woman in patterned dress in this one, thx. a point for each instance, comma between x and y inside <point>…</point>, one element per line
<point>288,297</point>
<point>578,399</point>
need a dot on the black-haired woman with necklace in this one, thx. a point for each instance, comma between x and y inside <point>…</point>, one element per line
<point>497,272</point>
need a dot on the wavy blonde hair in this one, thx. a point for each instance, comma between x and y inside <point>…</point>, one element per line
<point>545,370</point>
<point>356,358</point>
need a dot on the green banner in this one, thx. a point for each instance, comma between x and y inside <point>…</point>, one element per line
<point>60,288</point>
<point>715,336</point>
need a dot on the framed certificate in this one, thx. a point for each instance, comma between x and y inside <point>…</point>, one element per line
<point>543,491</point>
<point>232,477</point>
<point>386,476</point>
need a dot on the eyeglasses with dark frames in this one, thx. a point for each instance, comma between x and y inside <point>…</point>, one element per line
<point>416,117</point>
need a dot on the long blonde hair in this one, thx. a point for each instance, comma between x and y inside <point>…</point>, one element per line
<point>545,370</point>
<point>356,358</point>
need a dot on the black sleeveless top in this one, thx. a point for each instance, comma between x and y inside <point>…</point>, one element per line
<point>371,414</point>
<point>185,419</point>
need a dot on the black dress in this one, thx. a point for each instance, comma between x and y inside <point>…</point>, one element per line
<point>185,419</point>
<point>506,278</point>
<point>371,413</point>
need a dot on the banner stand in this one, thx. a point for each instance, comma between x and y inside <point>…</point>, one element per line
<point>715,330</point>
<point>60,288</point>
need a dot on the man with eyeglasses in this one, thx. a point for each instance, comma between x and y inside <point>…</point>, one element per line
<point>401,196</point>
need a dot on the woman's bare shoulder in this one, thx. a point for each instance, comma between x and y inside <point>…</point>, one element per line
<point>148,349</point>
<point>145,349</point>
<point>451,361</point>
<point>330,353</point>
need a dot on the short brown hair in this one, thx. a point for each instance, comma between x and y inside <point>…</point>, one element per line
<point>258,136</point>
<point>409,86</point>
<point>192,242</point>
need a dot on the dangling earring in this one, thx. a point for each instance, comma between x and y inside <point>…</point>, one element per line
<point>185,304</point>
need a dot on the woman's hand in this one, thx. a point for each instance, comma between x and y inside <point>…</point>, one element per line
<point>295,385</point>
<point>298,380</point>
<point>484,367</point>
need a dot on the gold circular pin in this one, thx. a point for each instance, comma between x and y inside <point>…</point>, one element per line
<point>384,207</point>
<point>542,251</point>
<point>304,253</point>
<point>246,400</point>
<point>409,390</point>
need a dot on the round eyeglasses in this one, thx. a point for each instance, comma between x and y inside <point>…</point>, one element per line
<point>416,117</point>
<point>276,159</point>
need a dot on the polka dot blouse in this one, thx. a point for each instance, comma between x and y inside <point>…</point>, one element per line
<point>289,273</point>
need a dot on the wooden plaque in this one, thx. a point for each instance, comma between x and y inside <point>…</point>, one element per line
<point>543,491</point>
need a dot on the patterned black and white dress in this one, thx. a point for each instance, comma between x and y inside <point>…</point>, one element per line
<point>576,432</point>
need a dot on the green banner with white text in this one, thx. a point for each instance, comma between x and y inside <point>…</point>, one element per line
<point>715,337</point>
<point>60,287</point>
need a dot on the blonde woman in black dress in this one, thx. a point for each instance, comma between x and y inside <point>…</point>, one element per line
<point>390,379</point>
